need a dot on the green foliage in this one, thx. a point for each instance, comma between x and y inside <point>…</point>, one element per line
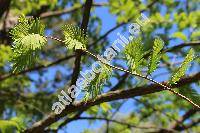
<point>190,93</point>
<point>181,70</point>
<point>134,54</point>
<point>132,9</point>
<point>5,54</point>
<point>96,85</point>
<point>75,38</point>
<point>187,20</point>
<point>87,131</point>
<point>93,110</point>
<point>196,35</point>
<point>180,35</point>
<point>156,55</point>
<point>28,6</point>
<point>55,125</point>
<point>181,19</point>
<point>105,107</point>
<point>28,36</point>
<point>15,124</point>
<point>157,18</point>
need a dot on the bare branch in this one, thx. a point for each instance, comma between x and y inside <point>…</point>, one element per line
<point>119,25</point>
<point>124,77</point>
<point>182,45</point>
<point>4,5</point>
<point>110,96</point>
<point>147,105</point>
<point>186,116</point>
<point>179,126</point>
<point>68,10</point>
<point>122,123</point>
<point>86,15</point>
<point>4,77</point>
<point>190,125</point>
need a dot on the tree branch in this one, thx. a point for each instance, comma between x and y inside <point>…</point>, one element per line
<point>86,15</point>
<point>122,123</point>
<point>119,25</point>
<point>121,81</point>
<point>70,119</point>
<point>148,105</point>
<point>182,45</point>
<point>4,5</point>
<point>68,10</point>
<point>4,77</point>
<point>187,115</point>
<point>110,96</point>
<point>190,125</point>
<point>179,126</point>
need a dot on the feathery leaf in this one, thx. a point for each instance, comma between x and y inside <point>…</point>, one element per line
<point>28,36</point>
<point>21,29</point>
<point>190,93</point>
<point>156,55</point>
<point>181,70</point>
<point>97,83</point>
<point>15,124</point>
<point>134,54</point>
<point>75,38</point>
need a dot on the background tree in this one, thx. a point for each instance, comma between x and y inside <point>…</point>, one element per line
<point>126,103</point>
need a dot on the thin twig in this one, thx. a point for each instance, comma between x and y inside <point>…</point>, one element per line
<point>6,76</point>
<point>123,123</point>
<point>67,10</point>
<point>144,77</point>
<point>138,75</point>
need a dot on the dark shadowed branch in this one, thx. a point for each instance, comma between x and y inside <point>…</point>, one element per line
<point>110,96</point>
<point>84,24</point>
<point>4,77</point>
<point>68,10</point>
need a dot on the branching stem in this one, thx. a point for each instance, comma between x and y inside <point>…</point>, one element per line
<point>134,74</point>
